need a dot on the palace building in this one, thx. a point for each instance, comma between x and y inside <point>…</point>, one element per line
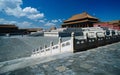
<point>8,28</point>
<point>14,30</point>
<point>111,24</point>
<point>80,21</point>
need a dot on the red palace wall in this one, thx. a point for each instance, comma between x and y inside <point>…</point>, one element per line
<point>107,25</point>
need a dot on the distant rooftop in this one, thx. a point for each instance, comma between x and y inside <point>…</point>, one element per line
<point>114,22</point>
<point>7,25</point>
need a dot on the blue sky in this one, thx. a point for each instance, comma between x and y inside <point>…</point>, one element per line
<point>47,13</point>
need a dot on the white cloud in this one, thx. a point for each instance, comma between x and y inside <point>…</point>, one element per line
<point>35,16</point>
<point>17,12</point>
<point>4,4</point>
<point>30,10</point>
<point>42,21</point>
<point>13,7</point>
<point>54,21</point>
<point>50,24</point>
<point>24,24</point>
<point>59,20</point>
<point>3,21</point>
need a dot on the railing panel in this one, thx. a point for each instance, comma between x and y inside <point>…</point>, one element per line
<point>100,34</point>
<point>55,49</point>
<point>66,48</point>
<point>48,51</point>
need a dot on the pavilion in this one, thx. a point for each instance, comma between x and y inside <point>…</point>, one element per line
<point>80,21</point>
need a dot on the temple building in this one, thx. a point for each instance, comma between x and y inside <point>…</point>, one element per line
<point>80,21</point>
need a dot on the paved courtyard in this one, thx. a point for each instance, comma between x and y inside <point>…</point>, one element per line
<point>99,61</point>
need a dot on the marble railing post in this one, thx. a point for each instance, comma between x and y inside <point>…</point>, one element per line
<point>33,52</point>
<point>111,33</point>
<point>60,40</point>
<point>87,36</point>
<point>40,48</point>
<point>51,44</point>
<point>45,49</point>
<point>72,41</point>
<point>96,36</point>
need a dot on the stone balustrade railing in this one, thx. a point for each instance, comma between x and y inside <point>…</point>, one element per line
<point>92,39</point>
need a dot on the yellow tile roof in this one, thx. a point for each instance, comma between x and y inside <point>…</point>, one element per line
<point>80,16</point>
